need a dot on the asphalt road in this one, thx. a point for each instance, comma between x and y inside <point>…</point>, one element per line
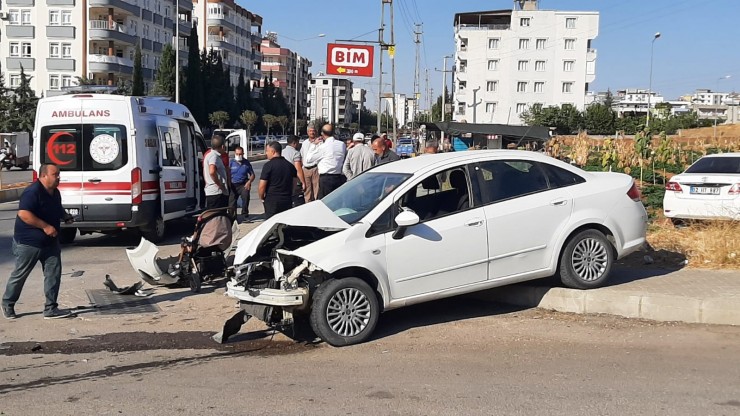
<point>15,175</point>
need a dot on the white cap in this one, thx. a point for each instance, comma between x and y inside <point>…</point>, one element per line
<point>358,137</point>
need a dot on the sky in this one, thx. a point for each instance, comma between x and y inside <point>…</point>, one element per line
<point>699,43</point>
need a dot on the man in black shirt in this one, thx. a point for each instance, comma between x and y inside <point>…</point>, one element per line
<point>277,181</point>
<point>35,239</point>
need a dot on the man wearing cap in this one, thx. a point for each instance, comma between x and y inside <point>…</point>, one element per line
<point>359,157</point>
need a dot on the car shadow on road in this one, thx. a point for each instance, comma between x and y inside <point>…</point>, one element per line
<point>458,308</point>
<point>176,229</point>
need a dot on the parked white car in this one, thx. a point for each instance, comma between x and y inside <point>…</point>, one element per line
<point>708,190</point>
<point>431,227</point>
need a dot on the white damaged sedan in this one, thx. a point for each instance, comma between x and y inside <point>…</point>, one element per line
<point>432,227</point>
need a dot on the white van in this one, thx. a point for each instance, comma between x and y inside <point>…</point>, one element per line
<point>126,162</point>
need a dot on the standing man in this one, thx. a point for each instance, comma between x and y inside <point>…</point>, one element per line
<point>214,172</point>
<point>35,239</point>
<point>293,155</point>
<point>430,147</point>
<point>242,176</point>
<point>277,181</point>
<point>359,157</point>
<point>310,173</point>
<point>382,153</point>
<point>329,159</point>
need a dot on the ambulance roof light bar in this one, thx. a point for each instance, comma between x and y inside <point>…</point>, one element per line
<point>90,89</point>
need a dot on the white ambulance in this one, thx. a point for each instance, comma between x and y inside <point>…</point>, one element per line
<point>126,162</point>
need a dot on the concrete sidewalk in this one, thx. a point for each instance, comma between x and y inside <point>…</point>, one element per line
<point>686,295</point>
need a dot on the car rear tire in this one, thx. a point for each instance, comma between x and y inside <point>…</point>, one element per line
<point>156,233</point>
<point>586,261</point>
<point>344,311</point>
<point>67,235</point>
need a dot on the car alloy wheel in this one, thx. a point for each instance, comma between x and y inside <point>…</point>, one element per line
<point>344,311</point>
<point>586,260</point>
<point>348,312</point>
<point>590,259</point>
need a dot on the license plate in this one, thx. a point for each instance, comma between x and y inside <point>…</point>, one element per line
<point>73,211</point>
<point>705,190</point>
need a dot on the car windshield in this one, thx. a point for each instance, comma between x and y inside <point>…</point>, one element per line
<point>353,200</point>
<point>716,165</point>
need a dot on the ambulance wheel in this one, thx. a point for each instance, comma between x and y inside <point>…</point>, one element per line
<point>67,235</point>
<point>156,233</point>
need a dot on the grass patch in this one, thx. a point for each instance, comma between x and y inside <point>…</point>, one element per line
<point>713,245</point>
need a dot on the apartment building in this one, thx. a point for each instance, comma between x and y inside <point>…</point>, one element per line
<point>330,98</point>
<point>508,60</point>
<point>234,32</point>
<point>56,41</point>
<point>290,73</point>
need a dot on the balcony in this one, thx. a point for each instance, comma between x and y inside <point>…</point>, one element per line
<point>16,64</point>
<point>183,44</point>
<point>129,7</point>
<point>221,42</point>
<point>110,64</point>
<point>185,27</point>
<point>216,19</point>
<point>186,6</point>
<point>105,30</point>
<point>483,27</point>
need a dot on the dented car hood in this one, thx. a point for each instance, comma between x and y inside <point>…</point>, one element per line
<point>314,214</point>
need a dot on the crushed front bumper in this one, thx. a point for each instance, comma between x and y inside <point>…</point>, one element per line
<point>271,297</point>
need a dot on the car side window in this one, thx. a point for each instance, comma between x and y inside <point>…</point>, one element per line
<point>440,194</point>
<point>506,179</point>
<point>560,177</point>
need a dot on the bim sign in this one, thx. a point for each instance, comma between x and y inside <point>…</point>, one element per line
<point>349,60</point>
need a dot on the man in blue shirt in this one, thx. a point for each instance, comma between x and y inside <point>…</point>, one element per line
<point>242,176</point>
<point>35,239</point>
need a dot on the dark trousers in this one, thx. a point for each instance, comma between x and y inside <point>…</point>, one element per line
<point>217,201</point>
<point>239,191</point>
<point>276,205</point>
<point>328,183</point>
<point>26,258</point>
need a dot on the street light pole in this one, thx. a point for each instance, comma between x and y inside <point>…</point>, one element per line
<point>716,91</point>
<point>177,51</point>
<point>444,90</point>
<point>650,83</point>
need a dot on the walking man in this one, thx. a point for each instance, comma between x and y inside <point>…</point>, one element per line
<point>35,239</point>
<point>277,182</point>
<point>382,153</point>
<point>293,155</point>
<point>329,159</point>
<point>359,157</point>
<point>214,172</point>
<point>310,173</point>
<point>242,176</point>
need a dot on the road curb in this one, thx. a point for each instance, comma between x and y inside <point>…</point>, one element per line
<point>655,307</point>
<point>10,195</point>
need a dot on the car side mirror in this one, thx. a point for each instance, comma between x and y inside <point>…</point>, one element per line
<point>405,219</point>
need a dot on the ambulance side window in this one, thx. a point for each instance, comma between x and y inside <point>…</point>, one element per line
<point>171,147</point>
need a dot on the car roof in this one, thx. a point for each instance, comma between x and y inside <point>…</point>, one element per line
<point>423,162</point>
<point>733,154</point>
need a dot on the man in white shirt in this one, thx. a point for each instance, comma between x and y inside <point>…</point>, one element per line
<point>328,157</point>
<point>359,157</point>
<point>310,173</point>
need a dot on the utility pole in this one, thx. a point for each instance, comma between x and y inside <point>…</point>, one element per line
<point>177,51</point>
<point>444,72</point>
<point>417,41</point>
<point>381,41</point>
<point>428,94</point>
<point>393,73</point>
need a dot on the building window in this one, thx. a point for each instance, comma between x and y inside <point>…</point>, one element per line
<point>490,108</point>
<point>539,86</point>
<point>15,81</point>
<point>54,50</point>
<point>568,66</point>
<point>492,64</point>
<point>145,60</point>
<point>156,33</point>
<point>523,65</point>
<point>570,23</point>
<point>462,85</point>
<point>26,49</point>
<point>521,107</point>
<point>491,86</point>
<point>14,17</point>
<point>54,19</point>
<point>145,31</point>
<point>570,44</point>
<point>15,49</point>
<point>461,109</point>
<point>25,17</point>
<point>132,26</point>
<point>66,17</point>
<point>524,21</point>
<point>523,43</point>
<point>493,43</point>
<point>539,66</point>
<point>66,81</point>
<point>167,11</point>
<point>53,82</point>
<point>325,112</point>
<point>521,86</point>
<point>567,87</point>
<point>541,44</point>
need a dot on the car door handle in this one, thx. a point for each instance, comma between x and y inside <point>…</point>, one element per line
<point>95,180</point>
<point>559,202</point>
<point>474,223</point>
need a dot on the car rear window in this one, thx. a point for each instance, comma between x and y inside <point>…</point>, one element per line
<point>715,165</point>
<point>85,147</point>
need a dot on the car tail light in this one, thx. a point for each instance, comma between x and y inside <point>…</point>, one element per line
<point>735,190</point>
<point>35,176</point>
<point>673,186</point>
<point>634,193</point>
<point>136,195</point>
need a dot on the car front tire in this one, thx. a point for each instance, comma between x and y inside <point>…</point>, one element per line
<point>586,261</point>
<point>67,235</point>
<point>344,311</point>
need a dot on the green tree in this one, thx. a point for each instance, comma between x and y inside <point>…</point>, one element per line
<point>164,83</point>
<point>599,119</point>
<point>22,111</point>
<point>123,87</point>
<point>219,118</point>
<point>219,95</point>
<point>4,104</point>
<point>301,126</point>
<point>192,92</point>
<point>243,99</point>
<point>284,122</point>
<point>437,107</point>
<point>609,99</point>
<point>137,89</point>
<point>85,81</point>
<point>566,119</point>
<point>269,120</point>
<point>248,119</point>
